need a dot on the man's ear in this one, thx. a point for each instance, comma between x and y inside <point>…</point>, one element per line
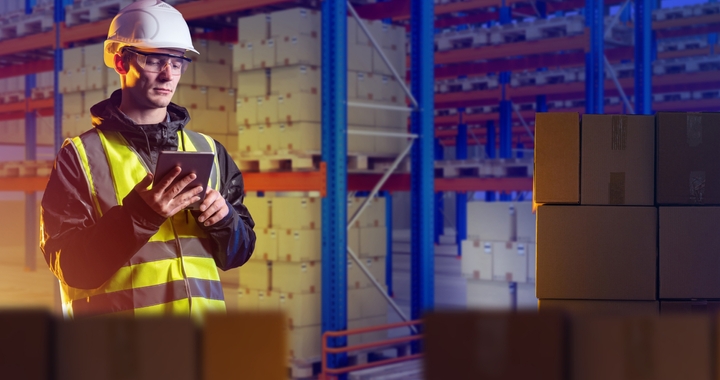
<point>120,65</point>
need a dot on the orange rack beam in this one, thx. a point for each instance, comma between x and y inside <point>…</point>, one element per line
<point>687,21</point>
<point>288,181</point>
<point>26,184</point>
<point>44,40</point>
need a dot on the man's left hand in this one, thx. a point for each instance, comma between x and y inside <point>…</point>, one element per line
<point>213,209</point>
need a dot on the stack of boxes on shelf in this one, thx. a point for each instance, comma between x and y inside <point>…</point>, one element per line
<point>597,227</point>
<point>500,250</point>
<point>12,90</point>
<point>206,90</point>
<point>277,70</point>
<point>284,273</point>
<point>84,82</point>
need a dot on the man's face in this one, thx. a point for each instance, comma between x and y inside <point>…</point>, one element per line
<point>150,90</point>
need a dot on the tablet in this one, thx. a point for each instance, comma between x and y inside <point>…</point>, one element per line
<point>200,163</point>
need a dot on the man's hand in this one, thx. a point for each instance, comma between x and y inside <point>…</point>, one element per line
<point>163,198</point>
<point>214,208</point>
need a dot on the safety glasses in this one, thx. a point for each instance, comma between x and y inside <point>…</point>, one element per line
<point>156,62</point>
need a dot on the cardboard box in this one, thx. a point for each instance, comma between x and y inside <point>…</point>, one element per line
<point>372,302</point>
<point>299,50</point>
<point>245,111</point>
<point>296,213</point>
<point>367,337</point>
<point>45,130</point>
<point>255,274</point>
<point>91,98</point>
<point>299,245</point>
<point>390,90</point>
<point>392,146</point>
<point>490,221</point>
<point>368,86</point>
<point>142,348</point>
<point>221,99</point>
<point>243,53</point>
<point>294,108</point>
<point>246,300</point>
<point>266,244</point>
<point>596,307</point>
<point>96,77</point>
<point>255,342</point>
<point>267,136</point>
<point>187,78</point>
<point>360,58</point>
<point>377,267</point>
<point>373,242</point>
<point>688,158</point>
<point>73,58</point>
<point>596,252</point>
<point>477,259</point>
<point>209,121</point>
<point>191,97</point>
<point>232,126</point>
<point>219,52</point>
<point>300,137</point>
<point>510,261</point>
<point>354,303</point>
<point>488,295</point>
<point>254,28</point>
<point>483,345</point>
<point>557,158</point>
<point>113,79</point>
<point>267,300</point>
<point>294,22</point>
<point>247,139</point>
<point>264,54</point>
<point>295,79</point>
<point>397,120</point>
<point>305,342</point>
<point>360,143</point>
<point>693,306</point>
<point>71,81</point>
<point>259,208</point>
<point>356,278</point>
<point>301,309</point>
<point>689,252</point>
<point>267,109</point>
<point>253,83</point>
<point>372,216</point>
<point>27,344</point>
<point>361,116</point>
<point>81,79</point>
<point>671,347</point>
<point>292,277</point>
<point>396,57</point>
<point>73,103</point>
<point>524,222</point>
<point>352,85</point>
<point>212,74</point>
<point>622,172</point>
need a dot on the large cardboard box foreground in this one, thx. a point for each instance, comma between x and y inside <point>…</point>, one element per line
<point>617,160</point>
<point>596,252</point>
<point>498,346</point>
<point>689,252</point>
<point>26,344</point>
<point>557,158</point>
<point>667,348</point>
<point>600,307</point>
<point>688,158</point>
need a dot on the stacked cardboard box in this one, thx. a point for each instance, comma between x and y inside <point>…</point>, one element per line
<point>277,69</point>
<point>597,224</point>
<point>500,250</point>
<point>285,274</point>
<point>473,345</point>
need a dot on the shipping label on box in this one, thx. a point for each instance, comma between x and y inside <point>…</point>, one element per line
<point>597,252</point>
<point>301,309</point>
<point>557,158</point>
<point>191,97</point>
<point>294,108</point>
<point>299,245</point>
<point>294,79</point>
<point>221,99</point>
<point>292,277</point>
<point>243,56</point>
<point>510,261</point>
<point>300,137</point>
<point>264,54</point>
<point>299,50</point>
<point>477,259</point>
<point>266,244</point>
<point>621,172</point>
<point>255,275</point>
<point>295,21</point>
<point>212,74</point>
<point>252,83</point>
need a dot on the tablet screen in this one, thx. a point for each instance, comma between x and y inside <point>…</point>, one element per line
<point>199,163</point>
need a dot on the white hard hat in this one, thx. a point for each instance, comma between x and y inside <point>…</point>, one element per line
<point>151,24</point>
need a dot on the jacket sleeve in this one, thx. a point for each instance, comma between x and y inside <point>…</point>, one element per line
<point>233,238</point>
<point>82,248</point>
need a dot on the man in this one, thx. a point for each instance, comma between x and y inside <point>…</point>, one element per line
<point>117,242</point>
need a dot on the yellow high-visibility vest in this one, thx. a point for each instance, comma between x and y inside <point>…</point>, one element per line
<point>174,273</point>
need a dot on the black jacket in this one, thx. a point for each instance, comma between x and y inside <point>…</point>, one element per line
<point>85,250</point>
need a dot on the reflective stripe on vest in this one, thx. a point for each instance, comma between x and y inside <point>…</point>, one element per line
<point>174,273</point>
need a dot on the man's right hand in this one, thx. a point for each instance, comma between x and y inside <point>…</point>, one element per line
<point>163,198</point>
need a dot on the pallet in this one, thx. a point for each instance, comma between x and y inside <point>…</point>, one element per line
<point>12,97</point>
<point>91,11</point>
<point>42,93</point>
<point>29,24</point>
<point>517,167</point>
<point>466,84</point>
<point>461,39</point>
<point>11,169</point>
<point>304,368</point>
<point>537,30</point>
<point>308,161</point>
<point>678,44</point>
<point>686,65</point>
